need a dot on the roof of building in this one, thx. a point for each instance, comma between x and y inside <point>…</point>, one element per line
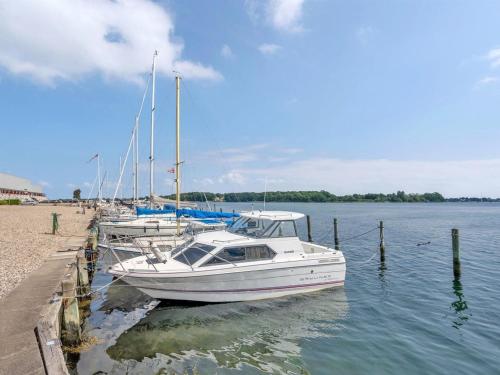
<point>8,181</point>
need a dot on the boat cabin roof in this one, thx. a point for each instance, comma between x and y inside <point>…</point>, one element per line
<point>272,215</point>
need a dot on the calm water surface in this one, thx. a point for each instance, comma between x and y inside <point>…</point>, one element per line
<point>406,316</point>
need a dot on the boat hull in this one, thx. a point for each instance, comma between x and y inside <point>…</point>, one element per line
<point>242,285</point>
<point>140,230</point>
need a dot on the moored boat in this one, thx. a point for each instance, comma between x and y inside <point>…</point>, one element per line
<point>260,256</point>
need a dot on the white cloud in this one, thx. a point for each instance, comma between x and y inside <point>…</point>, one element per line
<point>204,181</point>
<point>269,48</point>
<point>493,56</point>
<point>283,15</point>
<point>236,155</point>
<point>364,34</point>
<point>451,178</point>
<point>44,184</point>
<point>53,40</point>
<point>232,177</point>
<point>487,81</point>
<point>71,186</point>
<point>227,52</point>
<point>286,14</point>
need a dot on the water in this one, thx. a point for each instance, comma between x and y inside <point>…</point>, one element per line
<point>406,316</point>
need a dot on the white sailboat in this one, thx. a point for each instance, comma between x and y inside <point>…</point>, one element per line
<point>260,256</point>
<point>167,224</point>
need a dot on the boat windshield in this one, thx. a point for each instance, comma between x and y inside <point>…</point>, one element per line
<point>193,253</point>
<point>260,228</point>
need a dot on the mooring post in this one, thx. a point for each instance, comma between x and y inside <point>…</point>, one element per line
<point>309,236</point>
<point>336,234</point>
<point>71,333</point>
<point>382,244</point>
<point>55,223</point>
<point>455,243</point>
<point>233,215</point>
<point>83,275</point>
<point>220,209</point>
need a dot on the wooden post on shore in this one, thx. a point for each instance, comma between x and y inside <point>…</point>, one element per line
<point>382,243</point>
<point>71,333</point>
<point>309,236</point>
<point>83,275</point>
<point>55,223</point>
<point>455,243</point>
<point>336,234</point>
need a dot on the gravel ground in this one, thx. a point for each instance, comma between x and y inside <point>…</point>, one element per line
<point>26,239</point>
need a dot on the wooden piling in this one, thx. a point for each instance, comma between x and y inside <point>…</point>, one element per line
<point>55,223</point>
<point>71,331</point>
<point>336,234</point>
<point>83,275</point>
<point>382,243</point>
<point>309,236</point>
<point>455,243</point>
<point>220,210</point>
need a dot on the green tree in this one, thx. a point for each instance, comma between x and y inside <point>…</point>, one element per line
<point>76,194</point>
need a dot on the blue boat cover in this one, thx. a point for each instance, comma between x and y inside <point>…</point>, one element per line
<point>199,214</point>
<point>143,211</point>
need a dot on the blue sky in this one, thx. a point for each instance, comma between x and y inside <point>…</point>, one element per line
<point>346,96</point>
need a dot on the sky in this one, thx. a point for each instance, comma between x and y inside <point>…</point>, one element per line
<point>344,96</point>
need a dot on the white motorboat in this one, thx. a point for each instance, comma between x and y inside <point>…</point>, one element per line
<point>260,256</point>
<point>122,248</point>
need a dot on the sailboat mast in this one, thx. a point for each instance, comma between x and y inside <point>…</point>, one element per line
<point>99,193</point>
<point>133,161</point>
<point>151,150</point>
<point>178,146</point>
<point>136,160</point>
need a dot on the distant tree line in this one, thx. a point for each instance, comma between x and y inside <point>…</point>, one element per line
<point>309,196</point>
<point>472,199</point>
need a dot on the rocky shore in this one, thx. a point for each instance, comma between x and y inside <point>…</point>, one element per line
<point>26,238</point>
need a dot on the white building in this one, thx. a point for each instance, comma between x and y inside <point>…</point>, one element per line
<point>13,187</point>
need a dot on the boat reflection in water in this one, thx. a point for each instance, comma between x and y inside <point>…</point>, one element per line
<point>261,334</point>
<point>256,336</point>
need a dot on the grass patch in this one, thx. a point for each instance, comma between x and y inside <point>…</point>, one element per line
<point>10,202</point>
<point>87,343</point>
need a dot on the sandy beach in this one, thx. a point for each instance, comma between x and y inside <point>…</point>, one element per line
<point>26,239</point>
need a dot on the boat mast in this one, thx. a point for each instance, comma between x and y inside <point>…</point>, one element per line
<point>135,165</point>
<point>151,150</point>
<point>134,159</point>
<point>177,148</point>
<point>99,193</point>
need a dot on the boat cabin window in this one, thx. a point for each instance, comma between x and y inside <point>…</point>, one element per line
<point>241,254</point>
<point>248,226</point>
<point>260,228</point>
<point>282,229</point>
<point>193,253</point>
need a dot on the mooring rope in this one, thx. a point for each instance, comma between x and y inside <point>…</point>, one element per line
<point>358,235</point>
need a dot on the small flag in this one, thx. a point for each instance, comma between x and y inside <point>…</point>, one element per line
<point>171,170</point>
<point>93,157</point>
